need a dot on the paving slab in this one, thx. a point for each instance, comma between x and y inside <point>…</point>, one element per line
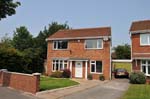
<point>9,93</point>
<point>84,85</point>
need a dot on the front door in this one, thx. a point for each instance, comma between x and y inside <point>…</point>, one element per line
<point>78,69</point>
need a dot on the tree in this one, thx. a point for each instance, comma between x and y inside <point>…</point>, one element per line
<point>40,40</point>
<point>22,38</point>
<point>7,8</point>
<point>122,52</point>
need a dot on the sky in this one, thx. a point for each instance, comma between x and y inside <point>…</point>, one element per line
<point>119,14</point>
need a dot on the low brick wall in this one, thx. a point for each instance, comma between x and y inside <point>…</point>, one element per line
<point>25,82</point>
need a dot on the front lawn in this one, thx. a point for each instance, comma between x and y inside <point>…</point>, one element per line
<point>137,91</point>
<point>47,83</point>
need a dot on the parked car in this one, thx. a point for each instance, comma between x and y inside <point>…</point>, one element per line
<point>121,72</point>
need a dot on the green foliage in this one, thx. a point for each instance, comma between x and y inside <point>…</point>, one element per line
<point>22,38</point>
<point>137,78</point>
<point>122,51</point>
<point>89,77</point>
<point>11,59</point>
<point>57,74</point>
<point>47,83</point>
<point>32,50</point>
<point>7,8</point>
<point>66,73</point>
<point>101,77</point>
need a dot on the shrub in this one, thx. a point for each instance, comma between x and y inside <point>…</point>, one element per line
<point>66,73</point>
<point>57,74</point>
<point>137,78</point>
<point>101,77</point>
<point>90,77</point>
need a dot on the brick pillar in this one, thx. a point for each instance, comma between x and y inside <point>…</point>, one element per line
<point>37,77</point>
<point>3,74</point>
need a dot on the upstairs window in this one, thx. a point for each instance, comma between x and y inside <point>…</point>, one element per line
<point>144,39</point>
<point>94,44</point>
<point>60,45</point>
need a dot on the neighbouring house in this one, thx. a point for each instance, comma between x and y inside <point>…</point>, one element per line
<point>140,42</point>
<point>83,51</point>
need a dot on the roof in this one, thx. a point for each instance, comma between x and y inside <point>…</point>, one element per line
<point>81,33</point>
<point>140,25</point>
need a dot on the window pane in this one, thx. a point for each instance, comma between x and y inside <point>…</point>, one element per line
<point>91,44</point>
<point>143,61</point>
<point>55,45</point>
<point>65,66</point>
<point>92,68</point>
<point>53,66</point>
<point>99,43</point>
<point>98,66</point>
<point>61,65</point>
<point>62,44</point>
<point>57,67</point>
<point>148,69</point>
<point>144,38</point>
<point>144,69</point>
<point>148,62</point>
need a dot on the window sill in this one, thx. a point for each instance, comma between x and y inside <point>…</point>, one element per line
<point>61,49</point>
<point>95,73</point>
<point>93,48</point>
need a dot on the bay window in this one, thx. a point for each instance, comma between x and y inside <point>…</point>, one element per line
<point>59,65</point>
<point>145,67</point>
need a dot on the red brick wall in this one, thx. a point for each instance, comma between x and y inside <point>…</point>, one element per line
<point>136,66</point>
<point>24,82</point>
<point>136,48</point>
<point>0,77</point>
<point>76,49</point>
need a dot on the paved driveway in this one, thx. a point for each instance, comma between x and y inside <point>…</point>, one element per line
<point>110,90</point>
<point>7,93</point>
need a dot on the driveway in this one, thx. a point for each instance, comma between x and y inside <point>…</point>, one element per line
<point>110,90</point>
<point>7,93</point>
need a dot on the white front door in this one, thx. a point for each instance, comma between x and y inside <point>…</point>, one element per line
<point>78,69</point>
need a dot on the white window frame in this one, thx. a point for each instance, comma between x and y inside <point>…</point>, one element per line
<point>93,62</point>
<point>142,44</point>
<point>57,45</point>
<point>146,65</point>
<point>54,63</point>
<point>97,44</point>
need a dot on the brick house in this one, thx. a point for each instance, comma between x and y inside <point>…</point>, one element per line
<point>83,51</point>
<point>140,42</point>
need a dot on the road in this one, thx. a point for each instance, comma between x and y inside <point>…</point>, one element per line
<point>111,90</point>
<point>7,93</point>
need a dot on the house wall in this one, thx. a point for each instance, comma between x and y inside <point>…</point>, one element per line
<point>136,48</point>
<point>25,82</point>
<point>136,66</point>
<point>76,49</point>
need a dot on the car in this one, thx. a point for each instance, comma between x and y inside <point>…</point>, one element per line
<point>121,72</point>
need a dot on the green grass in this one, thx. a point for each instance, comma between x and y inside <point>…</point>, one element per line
<point>47,83</point>
<point>136,91</point>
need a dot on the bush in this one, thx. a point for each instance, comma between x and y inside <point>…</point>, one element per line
<point>90,77</point>
<point>101,77</point>
<point>137,78</point>
<point>66,73</point>
<point>57,74</point>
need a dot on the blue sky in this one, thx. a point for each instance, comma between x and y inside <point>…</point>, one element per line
<point>35,14</point>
